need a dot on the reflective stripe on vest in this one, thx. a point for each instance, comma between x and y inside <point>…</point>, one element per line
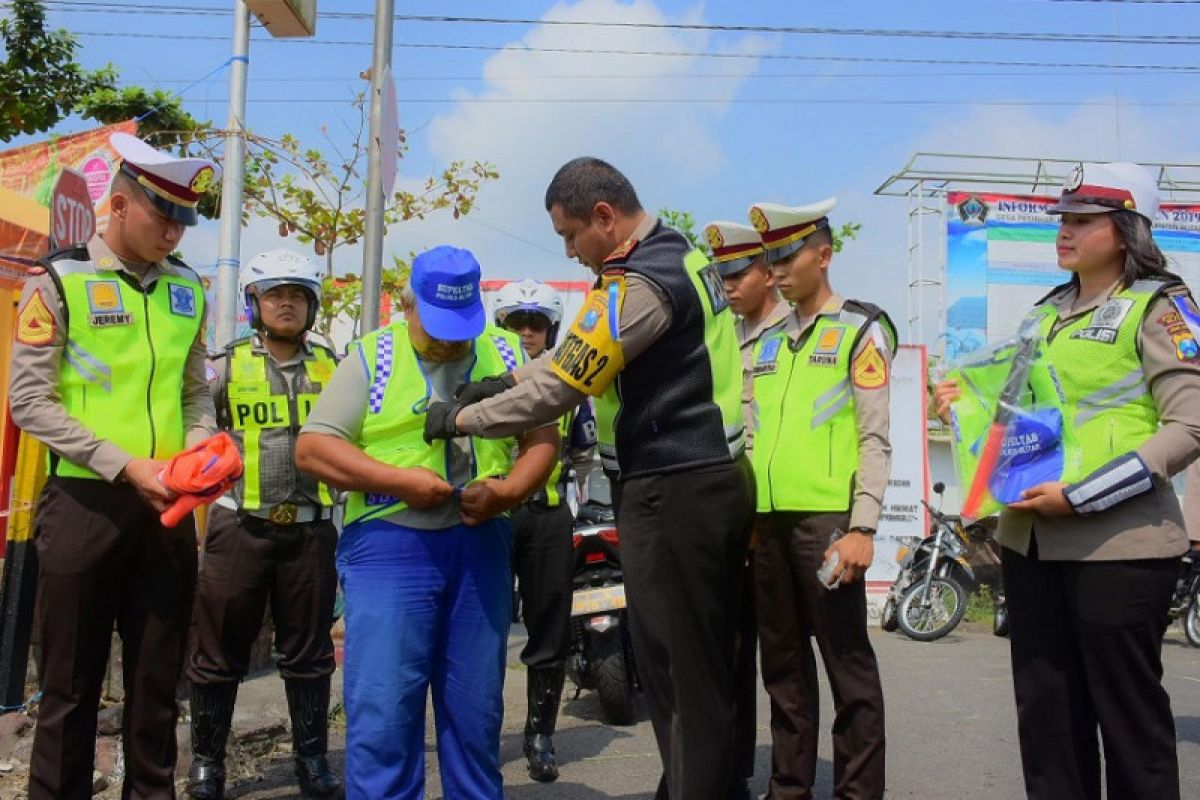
<point>806,446</point>
<point>267,414</point>
<point>724,352</point>
<point>399,393</point>
<point>1106,401</point>
<point>554,484</point>
<point>123,366</point>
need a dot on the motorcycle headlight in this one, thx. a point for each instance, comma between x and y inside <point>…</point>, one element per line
<point>901,553</point>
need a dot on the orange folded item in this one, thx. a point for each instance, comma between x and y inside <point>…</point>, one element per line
<point>200,475</point>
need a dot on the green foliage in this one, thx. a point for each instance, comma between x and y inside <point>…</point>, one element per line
<point>317,197</point>
<point>169,127</point>
<point>685,223</point>
<point>42,81</point>
<point>844,234</point>
<point>981,605</point>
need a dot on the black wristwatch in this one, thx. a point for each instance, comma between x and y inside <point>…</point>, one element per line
<point>863,529</point>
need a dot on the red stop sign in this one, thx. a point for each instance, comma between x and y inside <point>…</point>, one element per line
<point>72,218</point>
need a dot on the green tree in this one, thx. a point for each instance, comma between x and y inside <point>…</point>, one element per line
<point>317,198</point>
<point>42,82</point>
<point>161,119</point>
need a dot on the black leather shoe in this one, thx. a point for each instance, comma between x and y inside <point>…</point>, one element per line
<point>315,777</point>
<point>206,779</point>
<point>539,749</point>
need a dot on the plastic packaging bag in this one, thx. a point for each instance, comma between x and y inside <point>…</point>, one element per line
<point>1008,432</point>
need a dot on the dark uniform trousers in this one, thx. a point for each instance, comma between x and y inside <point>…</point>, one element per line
<point>683,544</point>
<point>103,557</point>
<point>543,560</point>
<point>745,677</point>
<point>792,607</point>
<point>245,567</point>
<point>1087,652</point>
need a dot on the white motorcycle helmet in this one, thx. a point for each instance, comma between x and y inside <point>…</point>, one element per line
<point>277,268</point>
<point>534,297</point>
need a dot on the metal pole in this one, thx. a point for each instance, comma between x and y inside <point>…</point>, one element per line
<point>229,252</point>
<point>376,202</point>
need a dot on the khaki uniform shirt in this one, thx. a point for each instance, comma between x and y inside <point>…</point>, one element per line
<point>748,336</point>
<point>871,417</point>
<point>540,396</point>
<point>1149,525</point>
<point>33,386</point>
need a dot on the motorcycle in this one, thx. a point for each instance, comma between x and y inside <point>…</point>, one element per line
<point>601,657</point>
<point>927,599</point>
<point>1185,603</point>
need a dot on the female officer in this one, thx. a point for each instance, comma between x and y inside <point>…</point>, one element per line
<point>1090,562</point>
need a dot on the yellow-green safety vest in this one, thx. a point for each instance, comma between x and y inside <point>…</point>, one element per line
<point>393,430</point>
<point>122,371</point>
<point>264,412</point>
<point>1106,401</point>
<point>806,445</point>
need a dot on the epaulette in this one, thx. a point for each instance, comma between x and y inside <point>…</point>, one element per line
<point>179,264</point>
<point>1062,287</point>
<point>76,252</point>
<point>623,250</point>
<point>873,313</point>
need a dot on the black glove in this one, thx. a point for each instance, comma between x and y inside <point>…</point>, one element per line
<point>484,388</point>
<point>440,421</point>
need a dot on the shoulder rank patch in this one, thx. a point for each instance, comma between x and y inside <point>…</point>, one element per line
<point>1186,348</point>
<point>623,250</point>
<point>35,323</point>
<point>869,370</point>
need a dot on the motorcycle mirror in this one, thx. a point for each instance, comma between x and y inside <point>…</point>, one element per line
<point>939,487</point>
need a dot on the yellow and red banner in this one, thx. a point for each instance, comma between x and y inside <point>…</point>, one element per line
<point>27,178</point>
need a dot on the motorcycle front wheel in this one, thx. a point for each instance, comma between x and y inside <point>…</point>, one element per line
<point>938,615</point>
<point>613,682</point>
<point>1191,622</point>
<point>887,617</point>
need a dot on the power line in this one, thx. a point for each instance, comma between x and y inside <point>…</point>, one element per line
<point>78,6</point>
<point>663,53</point>
<point>770,101</point>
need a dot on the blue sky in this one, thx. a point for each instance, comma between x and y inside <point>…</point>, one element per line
<point>784,117</point>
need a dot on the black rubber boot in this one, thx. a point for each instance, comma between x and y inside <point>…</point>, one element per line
<point>212,712</point>
<point>544,691</point>
<point>308,703</point>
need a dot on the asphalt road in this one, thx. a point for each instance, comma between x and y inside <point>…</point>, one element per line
<point>950,720</point>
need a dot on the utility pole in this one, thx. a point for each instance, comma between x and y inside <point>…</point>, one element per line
<point>376,202</point>
<point>233,173</point>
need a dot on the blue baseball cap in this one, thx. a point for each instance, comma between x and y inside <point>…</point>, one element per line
<point>445,282</point>
<point>1032,453</point>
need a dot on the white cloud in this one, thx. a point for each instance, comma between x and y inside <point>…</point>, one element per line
<point>522,121</point>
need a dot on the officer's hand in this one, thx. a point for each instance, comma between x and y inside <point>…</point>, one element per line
<point>440,421</point>
<point>142,474</point>
<point>1046,499</point>
<point>855,551</point>
<point>944,394</point>
<point>485,388</point>
<point>423,488</point>
<point>484,500</point>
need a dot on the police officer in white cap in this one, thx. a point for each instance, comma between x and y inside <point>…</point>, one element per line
<point>738,255</point>
<point>108,372</point>
<point>1090,561</point>
<point>821,463</point>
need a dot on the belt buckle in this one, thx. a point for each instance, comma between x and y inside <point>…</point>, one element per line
<point>283,514</point>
